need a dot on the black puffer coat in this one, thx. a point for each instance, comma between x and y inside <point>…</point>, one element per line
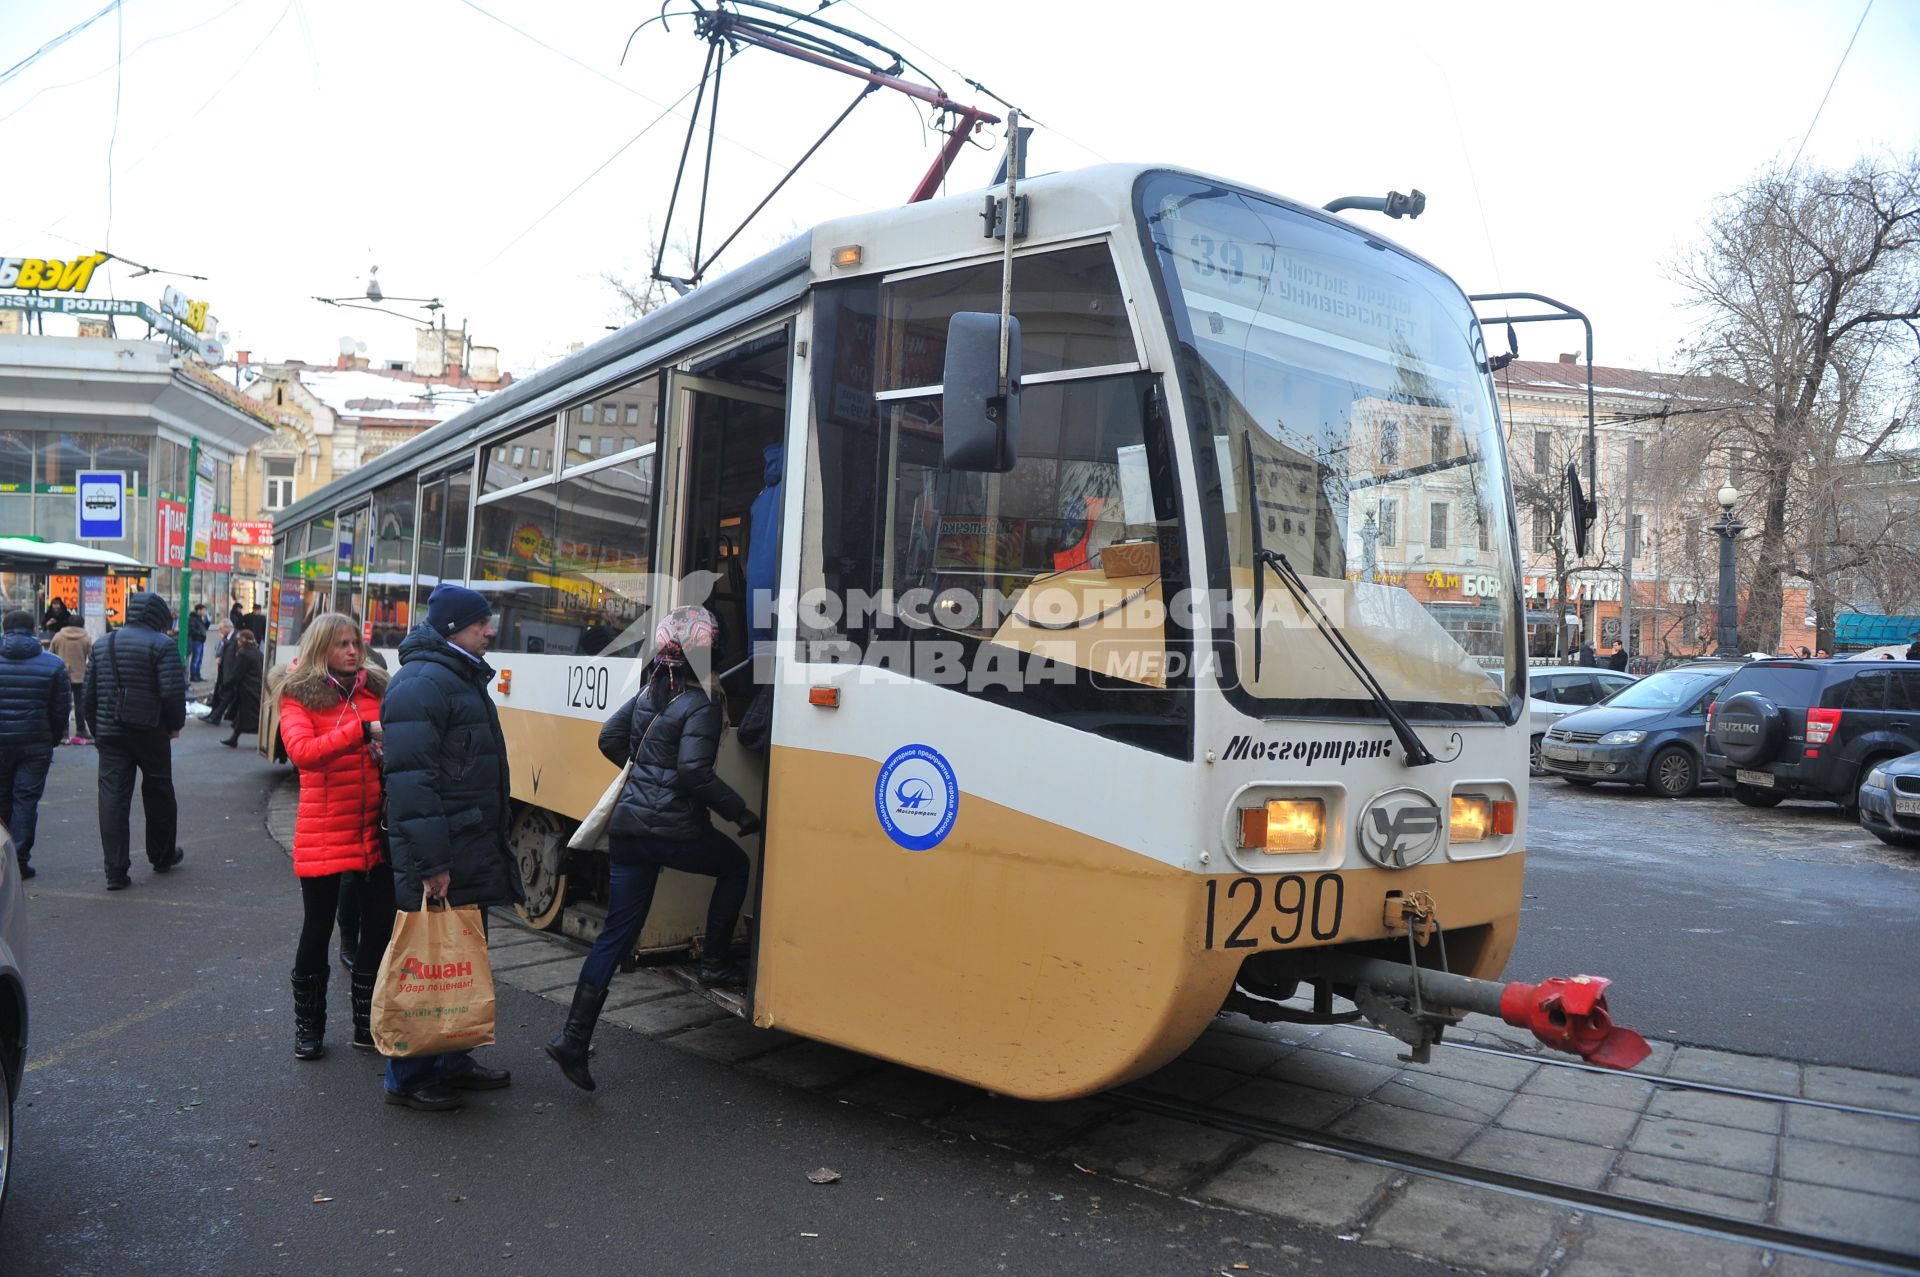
<point>35,696</point>
<point>447,778</point>
<point>673,785</point>
<point>137,663</point>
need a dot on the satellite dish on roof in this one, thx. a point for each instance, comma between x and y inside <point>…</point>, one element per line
<point>346,345</point>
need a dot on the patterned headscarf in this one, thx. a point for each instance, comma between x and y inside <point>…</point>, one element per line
<point>683,630</point>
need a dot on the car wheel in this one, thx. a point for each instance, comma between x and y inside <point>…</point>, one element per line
<point>1673,773</point>
<point>1534,766</point>
<point>1748,796</point>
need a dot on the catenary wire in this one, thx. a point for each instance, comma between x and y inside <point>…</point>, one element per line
<point>131,55</point>
<point>1830,83</point>
<point>55,43</point>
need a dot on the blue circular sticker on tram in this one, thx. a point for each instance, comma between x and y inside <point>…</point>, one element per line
<point>916,797</point>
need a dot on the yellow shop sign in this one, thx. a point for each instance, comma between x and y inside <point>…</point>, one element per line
<point>50,273</point>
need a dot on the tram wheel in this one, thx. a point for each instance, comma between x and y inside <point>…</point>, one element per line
<point>538,842</point>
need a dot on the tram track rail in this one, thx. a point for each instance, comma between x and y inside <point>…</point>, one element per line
<point>1667,1083</point>
<point>1534,1188</point>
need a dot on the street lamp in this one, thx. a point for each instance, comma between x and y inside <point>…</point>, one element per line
<point>1728,528</point>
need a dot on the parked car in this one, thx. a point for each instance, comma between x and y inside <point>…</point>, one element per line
<point>13,999</point>
<point>1890,801</point>
<point>1812,729</point>
<point>1649,733</point>
<point>1555,691</point>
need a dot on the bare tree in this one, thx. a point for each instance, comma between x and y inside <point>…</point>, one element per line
<point>1807,284</point>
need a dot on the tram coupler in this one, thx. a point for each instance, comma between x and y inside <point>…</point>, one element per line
<point>1566,1013</point>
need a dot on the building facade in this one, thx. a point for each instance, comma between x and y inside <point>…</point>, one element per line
<point>137,409</point>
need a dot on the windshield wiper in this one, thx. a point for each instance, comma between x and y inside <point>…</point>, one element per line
<point>1414,749</point>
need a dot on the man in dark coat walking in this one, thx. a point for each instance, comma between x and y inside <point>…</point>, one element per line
<point>447,803</point>
<point>34,700</point>
<point>196,639</point>
<point>136,699</point>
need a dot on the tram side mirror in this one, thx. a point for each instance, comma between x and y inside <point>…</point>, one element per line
<point>981,427</point>
<point>1579,510</point>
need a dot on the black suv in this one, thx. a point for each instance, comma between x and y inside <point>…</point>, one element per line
<point>1812,729</point>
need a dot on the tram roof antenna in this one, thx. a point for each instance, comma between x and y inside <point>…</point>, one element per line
<point>727,28</point>
<point>1393,205</point>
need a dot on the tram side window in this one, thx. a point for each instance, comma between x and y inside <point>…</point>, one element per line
<point>390,581</point>
<point>317,577</point>
<point>1069,304</point>
<point>602,554</point>
<point>520,458</point>
<point>514,565</point>
<point>619,421</point>
<point>289,551</point>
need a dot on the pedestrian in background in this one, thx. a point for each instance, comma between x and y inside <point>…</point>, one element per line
<point>236,615</point>
<point>57,617</point>
<point>72,645</point>
<point>1617,659</point>
<point>136,698</point>
<point>1913,649</point>
<point>671,731</point>
<point>196,640</point>
<point>256,620</point>
<point>447,804</point>
<point>246,670</point>
<point>34,699</point>
<point>330,721</point>
<point>222,649</point>
<point>1586,656</point>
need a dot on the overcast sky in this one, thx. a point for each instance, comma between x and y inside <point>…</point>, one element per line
<point>281,147</point>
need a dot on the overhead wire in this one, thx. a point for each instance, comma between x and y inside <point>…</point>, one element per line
<point>1804,137</point>
<point>130,56</point>
<point>55,43</point>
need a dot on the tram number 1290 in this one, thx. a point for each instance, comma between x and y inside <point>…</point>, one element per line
<point>587,686</point>
<point>1294,904</point>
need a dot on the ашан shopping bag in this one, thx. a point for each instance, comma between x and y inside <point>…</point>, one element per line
<point>434,993</point>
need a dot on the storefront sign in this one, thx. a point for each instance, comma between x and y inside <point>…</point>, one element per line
<point>171,523</point>
<point>50,273</point>
<point>94,611</point>
<point>252,533</point>
<point>220,556</point>
<point>66,589</point>
<point>101,500</point>
<point>203,510</point>
<point>1590,589</point>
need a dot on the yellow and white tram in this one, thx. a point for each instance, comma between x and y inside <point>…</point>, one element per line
<point>1066,746</point>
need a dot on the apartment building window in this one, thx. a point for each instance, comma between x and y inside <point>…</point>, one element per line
<point>279,472</point>
<point>1542,451</point>
<point>1442,440</point>
<point>1636,531</point>
<point>1540,519</point>
<point>1389,443</point>
<point>1389,522</point>
<point>1482,529</point>
<point>1437,526</point>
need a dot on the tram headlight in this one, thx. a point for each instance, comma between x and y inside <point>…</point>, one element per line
<point>1471,819</point>
<point>1284,825</point>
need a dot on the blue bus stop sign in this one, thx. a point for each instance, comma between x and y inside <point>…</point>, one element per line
<point>101,496</point>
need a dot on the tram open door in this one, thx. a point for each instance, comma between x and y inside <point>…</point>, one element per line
<point>721,486</point>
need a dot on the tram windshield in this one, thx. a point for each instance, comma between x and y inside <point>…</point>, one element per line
<point>1351,377</point>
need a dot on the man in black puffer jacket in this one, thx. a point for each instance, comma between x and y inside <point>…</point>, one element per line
<point>447,802</point>
<point>136,698</point>
<point>34,701</point>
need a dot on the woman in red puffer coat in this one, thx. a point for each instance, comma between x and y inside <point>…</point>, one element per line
<point>330,723</point>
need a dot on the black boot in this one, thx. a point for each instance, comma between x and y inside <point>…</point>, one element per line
<point>569,1050</point>
<point>717,968</point>
<point>309,1015</point>
<point>362,998</point>
<point>233,741</point>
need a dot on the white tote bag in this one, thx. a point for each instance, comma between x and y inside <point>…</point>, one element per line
<point>592,834</point>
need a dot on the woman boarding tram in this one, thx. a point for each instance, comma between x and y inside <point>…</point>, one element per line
<point>330,721</point>
<point>671,731</point>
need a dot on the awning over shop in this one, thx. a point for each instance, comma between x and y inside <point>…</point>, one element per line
<point>24,554</point>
